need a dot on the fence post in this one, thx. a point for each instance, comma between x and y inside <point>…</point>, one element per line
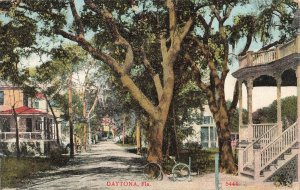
<point>217,179</point>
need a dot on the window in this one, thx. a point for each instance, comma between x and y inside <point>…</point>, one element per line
<point>38,124</point>
<point>5,124</point>
<point>213,137</point>
<point>36,104</point>
<point>28,125</point>
<point>1,97</point>
<point>207,120</point>
<point>204,137</point>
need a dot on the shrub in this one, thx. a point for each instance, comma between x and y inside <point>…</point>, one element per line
<point>57,158</point>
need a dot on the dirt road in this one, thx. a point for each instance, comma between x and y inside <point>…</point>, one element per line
<point>110,167</point>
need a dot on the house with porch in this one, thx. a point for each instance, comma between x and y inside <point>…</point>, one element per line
<point>37,132</point>
<point>266,150</point>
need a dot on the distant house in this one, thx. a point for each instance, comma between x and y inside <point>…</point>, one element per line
<point>204,132</point>
<point>37,132</point>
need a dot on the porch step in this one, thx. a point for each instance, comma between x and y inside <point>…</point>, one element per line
<point>248,173</point>
<point>279,163</point>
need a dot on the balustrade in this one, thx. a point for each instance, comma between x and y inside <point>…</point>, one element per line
<point>267,56</point>
<point>22,135</point>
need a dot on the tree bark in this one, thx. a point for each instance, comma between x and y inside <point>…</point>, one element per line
<point>227,164</point>
<point>55,119</point>
<point>85,123</point>
<point>71,117</point>
<point>155,142</point>
<point>17,132</point>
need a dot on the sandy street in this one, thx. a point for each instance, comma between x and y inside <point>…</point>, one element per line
<point>109,166</point>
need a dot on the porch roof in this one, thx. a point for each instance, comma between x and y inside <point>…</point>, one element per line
<point>24,110</point>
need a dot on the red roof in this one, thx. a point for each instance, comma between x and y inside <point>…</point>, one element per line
<point>24,110</point>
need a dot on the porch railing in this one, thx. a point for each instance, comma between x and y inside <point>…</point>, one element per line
<point>263,140</point>
<point>267,56</point>
<point>260,129</point>
<point>22,135</point>
<point>283,142</point>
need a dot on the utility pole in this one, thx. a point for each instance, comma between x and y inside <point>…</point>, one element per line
<point>71,117</point>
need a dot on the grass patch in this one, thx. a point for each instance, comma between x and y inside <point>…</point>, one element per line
<point>15,172</point>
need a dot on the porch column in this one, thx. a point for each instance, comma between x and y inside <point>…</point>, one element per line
<point>298,116</point>
<point>43,128</point>
<point>249,102</point>
<point>279,121</point>
<point>240,104</point>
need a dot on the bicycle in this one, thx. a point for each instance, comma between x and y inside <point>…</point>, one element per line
<point>180,171</point>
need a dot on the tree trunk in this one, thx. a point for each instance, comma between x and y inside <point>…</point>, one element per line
<point>227,164</point>
<point>84,124</point>
<point>138,136</point>
<point>155,142</point>
<point>17,132</point>
<point>71,117</point>
<point>55,119</point>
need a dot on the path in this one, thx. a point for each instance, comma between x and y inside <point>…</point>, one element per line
<point>111,167</point>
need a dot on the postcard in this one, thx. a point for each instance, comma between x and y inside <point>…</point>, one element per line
<point>150,94</point>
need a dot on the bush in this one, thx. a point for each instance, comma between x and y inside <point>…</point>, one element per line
<point>57,158</point>
<point>202,160</point>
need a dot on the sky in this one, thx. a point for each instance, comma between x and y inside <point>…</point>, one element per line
<point>262,96</point>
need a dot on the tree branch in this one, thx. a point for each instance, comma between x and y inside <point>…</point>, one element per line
<point>79,24</point>
<point>172,18</point>
<point>196,72</point>
<point>235,98</point>
<point>280,41</point>
<point>154,75</point>
<point>120,40</point>
<point>216,13</point>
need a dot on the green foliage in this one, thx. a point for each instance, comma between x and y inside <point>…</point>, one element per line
<point>234,119</point>
<point>269,114</point>
<point>202,160</point>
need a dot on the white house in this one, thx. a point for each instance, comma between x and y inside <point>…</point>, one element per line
<point>204,133</point>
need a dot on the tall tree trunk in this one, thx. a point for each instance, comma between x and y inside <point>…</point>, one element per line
<point>17,132</point>
<point>227,164</point>
<point>155,142</point>
<point>55,119</point>
<point>85,123</point>
<point>138,136</point>
<point>71,118</point>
